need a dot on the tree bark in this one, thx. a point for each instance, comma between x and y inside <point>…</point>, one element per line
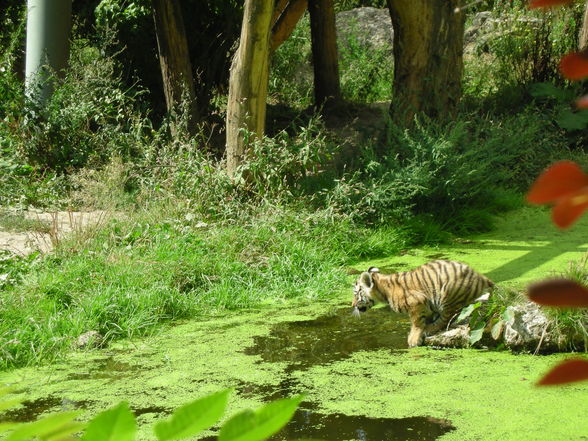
<point>248,82</point>
<point>428,58</point>
<point>286,21</point>
<point>583,37</point>
<point>325,61</point>
<point>47,45</point>
<point>174,59</point>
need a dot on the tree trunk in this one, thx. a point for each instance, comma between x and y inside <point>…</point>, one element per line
<point>248,82</point>
<point>47,45</point>
<point>286,21</point>
<point>428,58</point>
<point>583,37</point>
<point>324,52</point>
<point>174,59</point>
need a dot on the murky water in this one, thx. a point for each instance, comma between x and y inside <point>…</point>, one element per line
<point>29,410</point>
<point>331,337</point>
<point>325,340</point>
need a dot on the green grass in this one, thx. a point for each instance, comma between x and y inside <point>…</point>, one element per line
<point>134,275</point>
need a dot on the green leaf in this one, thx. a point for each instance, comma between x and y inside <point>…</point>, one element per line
<point>4,427</point>
<point>548,90</point>
<point>467,311</point>
<point>496,331</point>
<point>116,424</point>
<point>194,417</point>
<point>260,424</point>
<point>8,404</point>
<point>476,335</point>
<point>507,315</point>
<point>47,427</point>
<point>569,120</point>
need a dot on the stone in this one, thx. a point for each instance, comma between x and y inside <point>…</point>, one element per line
<point>369,27</point>
<point>527,328</point>
<point>458,337</point>
<point>90,339</point>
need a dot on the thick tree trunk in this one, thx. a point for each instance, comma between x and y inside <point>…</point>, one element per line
<point>324,52</point>
<point>428,58</point>
<point>583,37</point>
<point>174,58</point>
<point>48,28</point>
<point>248,82</point>
<point>289,14</point>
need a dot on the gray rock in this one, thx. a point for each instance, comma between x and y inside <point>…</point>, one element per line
<point>370,27</point>
<point>527,328</point>
<point>90,339</point>
<point>485,28</point>
<point>458,337</point>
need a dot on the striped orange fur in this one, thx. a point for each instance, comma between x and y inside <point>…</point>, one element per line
<point>431,294</point>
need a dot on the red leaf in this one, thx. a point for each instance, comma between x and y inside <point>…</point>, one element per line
<point>560,179</point>
<point>547,3</point>
<point>575,369</point>
<point>582,102</point>
<point>574,66</point>
<point>558,292</point>
<point>569,208</point>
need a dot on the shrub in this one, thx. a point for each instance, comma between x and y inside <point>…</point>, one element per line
<point>89,117</point>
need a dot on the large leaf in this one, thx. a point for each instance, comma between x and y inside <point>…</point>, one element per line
<point>116,424</point>
<point>496,331</point>
<point>476,334</point>
<point>4,427</point>
<point>569,371</point>
<point>574,66</point>
<point>467,311</point>
<point>260,424</point>
<point>560,179</point>
<point>559,292</point>
<point>549,90</point>
<point>53,427</point>
<point>569,120</point>
<point>194,417</point>
<point>547,3</point>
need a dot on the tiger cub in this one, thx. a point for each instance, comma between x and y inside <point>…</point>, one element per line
<point>431,294</point>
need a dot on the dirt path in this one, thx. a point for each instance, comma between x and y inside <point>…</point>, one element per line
<point>23,233</point>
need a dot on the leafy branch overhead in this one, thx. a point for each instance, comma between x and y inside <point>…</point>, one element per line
<point>565,185</point>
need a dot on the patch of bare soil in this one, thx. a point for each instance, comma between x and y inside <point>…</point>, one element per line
<point>49,229</point>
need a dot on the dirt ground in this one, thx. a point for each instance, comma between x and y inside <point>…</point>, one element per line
<point>50,228</point>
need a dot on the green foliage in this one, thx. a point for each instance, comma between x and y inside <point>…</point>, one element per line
<point>528,44</point>
<point>118,423</point>
<point>258,425</point>
<point>560,98</point>
<point>89,117</point>
<point>366,72</point>
<point>194,417</point>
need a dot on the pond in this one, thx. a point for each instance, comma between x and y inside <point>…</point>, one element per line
<point>360,380</point>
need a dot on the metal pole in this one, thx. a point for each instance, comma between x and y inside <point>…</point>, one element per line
<point>48,29</point>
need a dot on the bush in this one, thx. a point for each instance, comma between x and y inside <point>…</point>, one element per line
<point>89,118</point>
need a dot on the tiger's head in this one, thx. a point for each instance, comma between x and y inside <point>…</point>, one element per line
<point>363,292</point>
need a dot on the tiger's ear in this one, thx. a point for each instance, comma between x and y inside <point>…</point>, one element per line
<point>366,279</point>
<point>373,269</point>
